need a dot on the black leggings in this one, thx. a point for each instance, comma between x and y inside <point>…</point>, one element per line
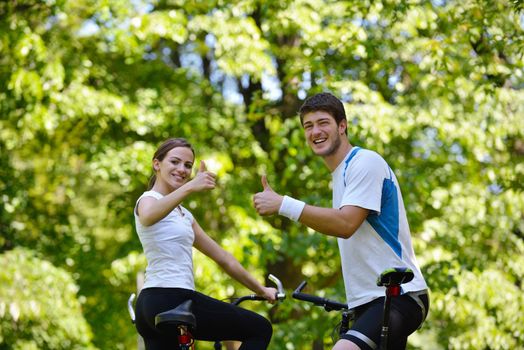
<point>405,316</point>
<point>215,320</point>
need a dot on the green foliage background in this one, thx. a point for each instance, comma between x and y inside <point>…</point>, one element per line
<point>88,89</point>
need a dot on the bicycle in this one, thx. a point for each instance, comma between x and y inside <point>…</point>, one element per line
<point>182,320</point>
<point>391,279</point>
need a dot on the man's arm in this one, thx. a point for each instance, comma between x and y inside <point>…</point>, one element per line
<point>341,222</point>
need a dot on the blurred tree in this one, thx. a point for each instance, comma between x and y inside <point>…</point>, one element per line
<point>34,315</point>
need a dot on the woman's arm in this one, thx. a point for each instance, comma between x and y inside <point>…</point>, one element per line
<point>151,210</point>
<point>227,261</point>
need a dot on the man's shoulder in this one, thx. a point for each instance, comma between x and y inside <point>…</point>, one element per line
<point>367,156</point>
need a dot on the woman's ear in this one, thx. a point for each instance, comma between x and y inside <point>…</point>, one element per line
<point>156,165</point>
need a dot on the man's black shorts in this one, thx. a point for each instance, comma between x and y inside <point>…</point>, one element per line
<point>407,312</point>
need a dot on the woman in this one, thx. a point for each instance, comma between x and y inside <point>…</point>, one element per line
<point>168,232</point>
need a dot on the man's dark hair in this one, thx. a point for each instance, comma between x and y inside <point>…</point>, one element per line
<point>325,102</point>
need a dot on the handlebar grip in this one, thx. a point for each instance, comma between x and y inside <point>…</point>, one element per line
<point>248,297</point>
<point>326,303</point>
<point>280,295</point>
<point>311,298</point>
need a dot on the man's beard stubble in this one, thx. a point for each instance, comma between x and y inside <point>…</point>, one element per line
<point>331,150</point>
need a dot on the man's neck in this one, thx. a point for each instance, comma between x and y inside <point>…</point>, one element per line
<point>332,161</point>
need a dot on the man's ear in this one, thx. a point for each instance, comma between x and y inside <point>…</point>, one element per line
<point>342,126</point>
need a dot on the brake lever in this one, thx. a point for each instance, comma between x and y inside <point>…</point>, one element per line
<point>281,294</point>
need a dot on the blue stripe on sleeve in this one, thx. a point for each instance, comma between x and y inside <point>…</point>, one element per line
<point>387,223</point>
<point>353,153</point>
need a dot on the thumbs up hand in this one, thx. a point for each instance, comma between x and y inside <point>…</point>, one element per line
<point>204,180</point>
<point>268,201</point>
<point>202,167</point>
<point>265,184</point>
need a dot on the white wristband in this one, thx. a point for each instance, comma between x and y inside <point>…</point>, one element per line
<point>291,208</point>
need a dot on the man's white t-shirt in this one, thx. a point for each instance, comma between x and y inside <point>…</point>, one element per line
<point>383,241</point>
<point>168,247</point>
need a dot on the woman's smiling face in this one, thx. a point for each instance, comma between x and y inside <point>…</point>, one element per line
<point>175,169</point>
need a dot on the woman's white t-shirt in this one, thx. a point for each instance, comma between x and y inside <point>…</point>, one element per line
<point>168,247</point>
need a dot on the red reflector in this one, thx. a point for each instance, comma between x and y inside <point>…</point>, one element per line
<point>184,339</point>
<point>393,291</point>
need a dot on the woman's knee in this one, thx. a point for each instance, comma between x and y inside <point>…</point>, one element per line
<point>265,328</point>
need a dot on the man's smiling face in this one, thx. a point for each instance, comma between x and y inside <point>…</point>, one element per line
<point>322,132</point>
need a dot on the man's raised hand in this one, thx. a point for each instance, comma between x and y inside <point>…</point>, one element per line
<point>268,201</point>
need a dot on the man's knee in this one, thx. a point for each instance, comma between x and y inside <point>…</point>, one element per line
<point>344,344</point>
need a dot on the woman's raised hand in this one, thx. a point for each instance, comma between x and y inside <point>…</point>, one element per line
<point>204,179</point>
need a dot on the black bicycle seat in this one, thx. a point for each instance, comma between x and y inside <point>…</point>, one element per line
<point>395,276</point>
<point>179,316</point>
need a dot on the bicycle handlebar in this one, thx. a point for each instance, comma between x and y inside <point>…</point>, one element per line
<point>327,304</point>
<point>281,294</point>
<point>247,297</point>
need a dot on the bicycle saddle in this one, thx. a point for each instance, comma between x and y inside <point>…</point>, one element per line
<point>179,316</point>
<point>395,276</point>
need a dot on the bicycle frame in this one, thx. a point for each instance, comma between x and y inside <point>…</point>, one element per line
<point>391,279</point>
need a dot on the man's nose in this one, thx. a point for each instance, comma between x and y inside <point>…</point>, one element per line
<point>316,129</point>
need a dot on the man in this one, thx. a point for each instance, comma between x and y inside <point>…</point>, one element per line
<point>369,219</point>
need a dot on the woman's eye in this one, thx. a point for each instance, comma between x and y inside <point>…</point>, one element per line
<point>189,166</point>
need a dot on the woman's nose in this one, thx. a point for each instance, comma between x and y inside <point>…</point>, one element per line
<point>181,168</point>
